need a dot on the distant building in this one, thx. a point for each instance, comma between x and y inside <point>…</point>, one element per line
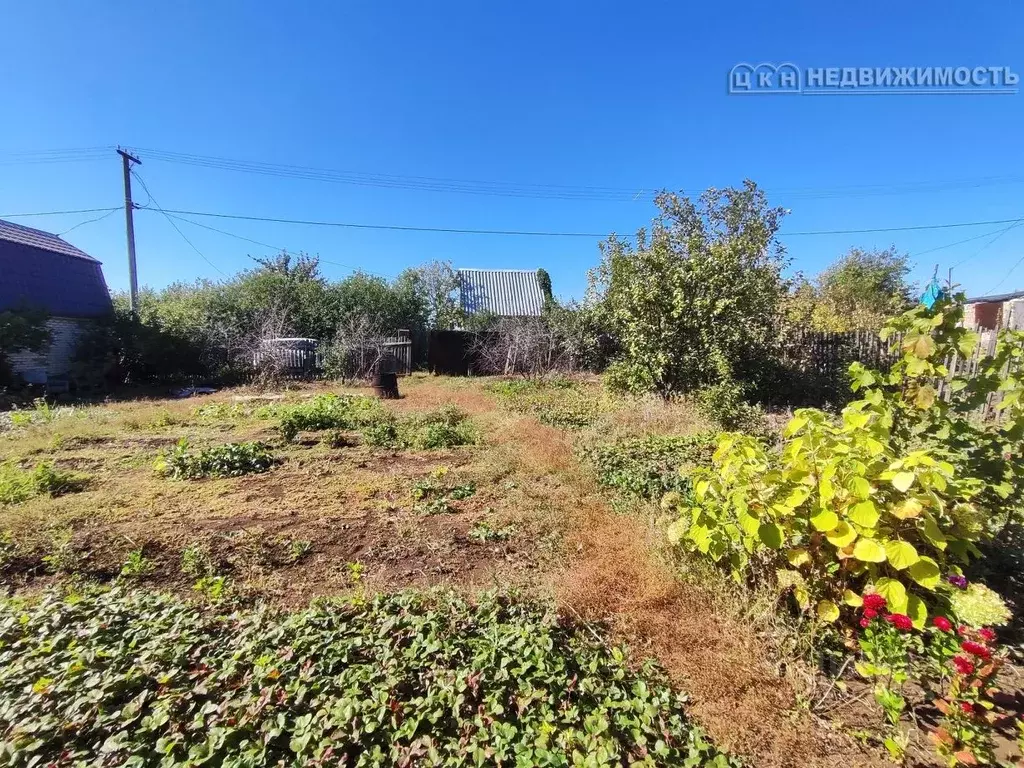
<point>503,292</point>
<point>992,313</point>
<point>40,271</point>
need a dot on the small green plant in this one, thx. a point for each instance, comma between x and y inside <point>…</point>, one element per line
<point>978,606</point>
<point>137,565</point>
<point>299,549</point>
<point>650,467</point>
<point>63,557</point>
<point>726,404</point>
<point>355,573</point>
<point>213,588</point>
<point>18,485</point>
<point>231,460</point>
<point>323,412</point>
<point>446,427</point>
<point>482,531</point>
<point>196,561</point>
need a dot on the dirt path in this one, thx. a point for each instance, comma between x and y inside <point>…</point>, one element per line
<point>613,574</point>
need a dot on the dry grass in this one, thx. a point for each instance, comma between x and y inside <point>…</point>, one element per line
<point>354,504</point>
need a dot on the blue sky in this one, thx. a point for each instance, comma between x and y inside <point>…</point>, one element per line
<point>619,95</point>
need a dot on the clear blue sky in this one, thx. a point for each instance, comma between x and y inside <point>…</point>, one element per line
<point>620,95</point>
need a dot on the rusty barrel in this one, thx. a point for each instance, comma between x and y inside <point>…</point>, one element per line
<point>385,385</point>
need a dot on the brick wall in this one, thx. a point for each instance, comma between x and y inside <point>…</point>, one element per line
<point>56,360</point>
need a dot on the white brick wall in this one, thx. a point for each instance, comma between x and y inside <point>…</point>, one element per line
<point>56,360</point>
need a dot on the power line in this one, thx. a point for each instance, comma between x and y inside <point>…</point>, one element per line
<point>392,227</point>
<point>540,190</point>
<point>57,213</point>
<point>87,221</point>
<point>527,233</point>
<point>176,228</point>
<point>986,245</point>
<point>273,247</point>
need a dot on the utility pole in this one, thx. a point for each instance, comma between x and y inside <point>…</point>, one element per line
<point>129,207</point>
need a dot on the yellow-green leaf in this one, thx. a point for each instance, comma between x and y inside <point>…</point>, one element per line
<point>842,535</point>
<point>921,347</point>
<point>795,425</point>
<point>748,523</point>
<point>770,534</point>
<point>925,572</point>
<point>894,592</point>
<point>852,598</point>
<point>798,557</point>
<point>864,514</point>
<point>828,611</point>
<point>917,611</point>
<point>825,520</point>
<point>803,598</point>
<point>901,481</point>
<point>701,488</point>
<point>907,509</point>
<point>861,487</point>
<point>925,397</point>
<point>930,530</point>
<point>901,554</point>
<point>677,531</point>
<point>869,551</point>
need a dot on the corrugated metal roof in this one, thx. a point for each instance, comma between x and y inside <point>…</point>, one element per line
<point>41,271</point>
<point>998,297</point>
<point>503,292</point>
<point>36,238</point>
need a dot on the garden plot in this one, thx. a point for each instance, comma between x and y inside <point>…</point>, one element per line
<point>314,494</point>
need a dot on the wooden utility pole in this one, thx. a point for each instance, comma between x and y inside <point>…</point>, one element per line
<point>129,207</point>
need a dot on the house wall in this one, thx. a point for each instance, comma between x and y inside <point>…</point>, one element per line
<point>994,315</point>
<point>57,359</point>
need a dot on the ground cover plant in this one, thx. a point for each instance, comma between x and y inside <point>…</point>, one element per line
<point>649,467</point>
<point>330,411</point>
<point>18,485</point>
<point>231,460</point>
<point>445,427</point>
<point>558,402</point>
<point>136,678</point>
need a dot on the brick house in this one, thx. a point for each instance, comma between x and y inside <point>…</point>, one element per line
<point>40,271</point>
<point>992,313</point>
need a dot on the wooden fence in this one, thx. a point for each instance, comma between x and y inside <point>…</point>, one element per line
<point>304,358</point>
<point>815,365</point>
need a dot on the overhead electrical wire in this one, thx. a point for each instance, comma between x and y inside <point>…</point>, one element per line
<point>271,247</point>
<point>538,190</point>
<point>59,213</point>
<point>540,233</point>
<point>88,221</point>
<point>171,222</point>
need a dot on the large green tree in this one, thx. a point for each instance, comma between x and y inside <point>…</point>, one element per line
<point>695,301</point>
<point>860,290</point>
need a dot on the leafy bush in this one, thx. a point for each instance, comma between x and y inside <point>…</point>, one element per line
<point>978,606</point>
<point>698,294</point>
<point>330,412</point>
<point>231,460</point>
<point>650,467</point>
<point>888,499</point>
<point>18,485</point>
<point>445,427</point>
<point>128,677</point>
<point>726,404</point>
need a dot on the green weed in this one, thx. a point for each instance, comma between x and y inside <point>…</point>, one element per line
<point>231,460</point>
